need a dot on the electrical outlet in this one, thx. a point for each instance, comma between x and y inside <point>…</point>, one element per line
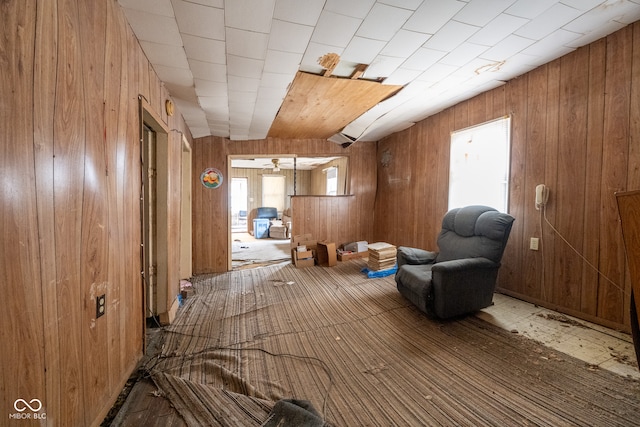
<point>533,243</point>
<point>101,305</point>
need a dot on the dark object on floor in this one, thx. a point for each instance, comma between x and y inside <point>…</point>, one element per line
<point>293,412</point>
<point>461,278</point>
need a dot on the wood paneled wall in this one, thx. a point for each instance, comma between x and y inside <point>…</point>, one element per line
<point>71,74</point>
<point>337,219</point>
<point>575,128</point>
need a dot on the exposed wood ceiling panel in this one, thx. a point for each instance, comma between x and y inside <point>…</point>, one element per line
<point>319,107</point>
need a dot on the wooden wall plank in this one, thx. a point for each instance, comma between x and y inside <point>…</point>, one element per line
<point>571,169</point>
<point>511,271</point>
<point>45,56</point>
<point>94,232</point>
<point>614,171</point>
<point>23,334</point>
<point>595,123</point>
<point>68,190</point>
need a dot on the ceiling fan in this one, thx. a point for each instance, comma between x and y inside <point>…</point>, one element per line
<point>275,165</point>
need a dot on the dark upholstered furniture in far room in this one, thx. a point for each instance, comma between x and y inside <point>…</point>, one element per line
<point>461,277</point>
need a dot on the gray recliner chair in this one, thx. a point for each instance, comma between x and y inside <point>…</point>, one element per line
<point>461,277</point>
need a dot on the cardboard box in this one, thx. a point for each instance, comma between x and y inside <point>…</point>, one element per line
<point>302,259</point>
<point>346,256</point>
<point>305,240</point>
<point>361,246</point>
<point>326,253</point>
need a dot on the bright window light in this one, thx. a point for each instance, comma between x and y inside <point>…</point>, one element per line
<point>479,169</point>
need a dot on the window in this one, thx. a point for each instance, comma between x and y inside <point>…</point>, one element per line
<point>479,169</point>
<point>332,181</point>
<point>273,191</point>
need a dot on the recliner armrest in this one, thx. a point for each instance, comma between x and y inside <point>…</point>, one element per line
<point>414,256</point>
<point>464,264</point>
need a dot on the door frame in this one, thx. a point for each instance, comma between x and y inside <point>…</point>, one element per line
<point>154,236</point>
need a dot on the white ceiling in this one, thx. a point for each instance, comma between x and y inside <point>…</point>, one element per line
<point>228,64</point>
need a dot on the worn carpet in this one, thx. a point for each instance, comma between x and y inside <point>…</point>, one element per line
<point>361,355</point>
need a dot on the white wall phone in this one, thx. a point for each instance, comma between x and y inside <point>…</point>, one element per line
<point>542,195</point>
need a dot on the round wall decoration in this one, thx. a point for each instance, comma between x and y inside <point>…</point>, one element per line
<point>211,178</point>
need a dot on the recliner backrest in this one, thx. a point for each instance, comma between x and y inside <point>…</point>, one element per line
<point>474,231</point>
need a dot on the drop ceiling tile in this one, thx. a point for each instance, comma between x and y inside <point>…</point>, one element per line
<point>362,51</point>
<point>211,3</point>
<point>481,12</point>
<point>432,15</point>
<point>437,72</point>
<point>548,22</point>
<point>507,48</point>
<point>451,35</point>
<point>249,15</point>
<point>356,9</point>
<point>530,9</point>
<point>214,103</point>
<point>177,76</point>
<point>383,66</point>
<point>238,84</point>
<point>289,37</point>
<point>209,88</point>
<point>402,76</point>
<point>404,43</point>
<point>585,5</point>
<point>206,50</point>
<point>190,109</point>
<point>208,71</point>
<point>244,67</point>
<point>276,80</point>
<point>600,32</point>
<point>220,113</point>
<point>271,95</point>
<point>423,58</point>
<point>248,44</point>
<point>555,41</point>
<point>198,20</point>
<point>282,62</point>
<point>314,52</point>
<point>594,18</point>
<point>305,13</point>
<point>498,29</point>
<point>167,55</point>
<point>334,29</point>
<point>383,22</point>
<point>158,7</point>
<point>405,4</point>
<point>155,28</point>
<point>186,94</point>
<point>463,54</point>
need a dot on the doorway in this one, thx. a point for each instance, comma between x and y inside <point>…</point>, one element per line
<point>239,205</point>
<point>154,153</point>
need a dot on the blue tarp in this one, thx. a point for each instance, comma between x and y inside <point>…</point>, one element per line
<point>380,273</point>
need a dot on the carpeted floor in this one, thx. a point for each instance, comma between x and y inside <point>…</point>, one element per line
<point>363,356</point>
